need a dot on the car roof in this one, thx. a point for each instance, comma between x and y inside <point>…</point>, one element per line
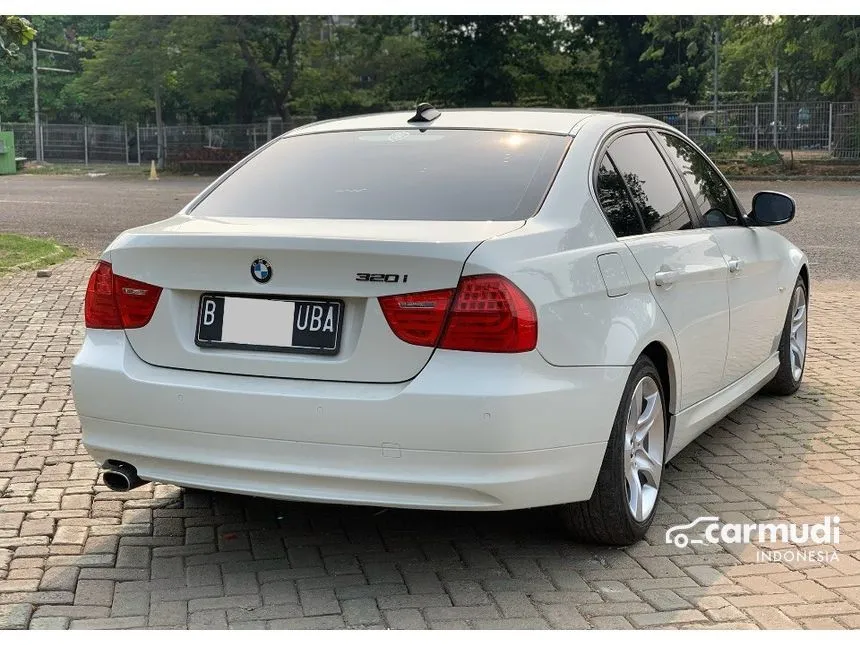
<point>552,121</point>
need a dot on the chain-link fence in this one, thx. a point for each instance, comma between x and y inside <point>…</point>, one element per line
<point>139,144</point>
<point>817,129</point>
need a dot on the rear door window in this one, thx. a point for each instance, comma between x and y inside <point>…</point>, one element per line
<point>472,175</point>
<point>650,183</point>
<point>710,192</point>
<point>615,201</point>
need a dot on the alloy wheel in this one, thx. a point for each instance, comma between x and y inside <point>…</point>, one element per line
<point>797,333</point>
<point>644,448</point>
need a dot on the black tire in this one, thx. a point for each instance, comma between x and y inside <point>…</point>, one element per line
<point>784,382</point>
<point>606,517</point>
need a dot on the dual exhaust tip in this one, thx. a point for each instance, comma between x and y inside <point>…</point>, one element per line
<point>120,476</point>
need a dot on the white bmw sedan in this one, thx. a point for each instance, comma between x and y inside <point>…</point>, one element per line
<point>465,309</point>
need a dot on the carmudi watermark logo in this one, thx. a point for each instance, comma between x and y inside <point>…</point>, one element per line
<point>808,541</point>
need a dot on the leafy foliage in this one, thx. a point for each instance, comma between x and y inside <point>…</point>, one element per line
<point>769,158</point>
<point>14,33</point>
<point>211,69</point>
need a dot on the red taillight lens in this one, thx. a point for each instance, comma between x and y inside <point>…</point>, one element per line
<point>100,308</point>
<point>136,300</point>
<point>488,314</point>
<point>117,302</point>
<point>417,318</point>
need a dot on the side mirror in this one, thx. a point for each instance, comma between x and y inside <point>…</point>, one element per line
<point>770,208</point>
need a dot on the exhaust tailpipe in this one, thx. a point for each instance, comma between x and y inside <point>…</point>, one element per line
<point>120,476</point>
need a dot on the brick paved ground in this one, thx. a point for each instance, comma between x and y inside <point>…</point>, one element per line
<point>73,554</point>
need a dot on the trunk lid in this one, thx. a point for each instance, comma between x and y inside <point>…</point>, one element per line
<point>310,258</point>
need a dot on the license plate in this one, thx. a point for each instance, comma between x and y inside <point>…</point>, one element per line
<point>269,323</point>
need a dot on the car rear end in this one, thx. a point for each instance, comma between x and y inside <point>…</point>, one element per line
<point>312,329</point>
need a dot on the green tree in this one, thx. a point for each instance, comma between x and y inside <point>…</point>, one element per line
<point>335,76</point>
<point>388,62</point>
<point>756,45</point>
<point>271,48</point>
<point>15,32</point>
<point>147,64</point>
<point>131,70</point>
<point>213,69</point>
<point>473,58</point>
<point>205,80</point>
<point>553,65</point>
<point>836,44</point>
<point>684,47</point>
<point>73,34</point>
<point>621,75</point>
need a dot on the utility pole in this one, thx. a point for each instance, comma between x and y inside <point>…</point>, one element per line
<point>775,106</point>
<point>716,76</point>
<point>37,118</point>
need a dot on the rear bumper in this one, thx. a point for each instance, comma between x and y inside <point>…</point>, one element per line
<point>475,432</point>
<point>348,474</point>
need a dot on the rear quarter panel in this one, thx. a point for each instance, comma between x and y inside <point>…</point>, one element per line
<point>553,259</point>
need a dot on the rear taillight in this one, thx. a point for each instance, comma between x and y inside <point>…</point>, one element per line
<point>417,318</point>
<point>100,309</point>
<point>117,302</point>
<point>490,314</point>
<point>486,313</point>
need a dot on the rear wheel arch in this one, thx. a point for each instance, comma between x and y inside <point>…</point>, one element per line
<point>804,274</point>
<point>662,359</point>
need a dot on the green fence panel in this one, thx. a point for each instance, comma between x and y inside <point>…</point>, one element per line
<point>7,153</point>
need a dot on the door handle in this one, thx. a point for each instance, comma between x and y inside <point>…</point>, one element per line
<point>665,278</point>
<point>735,264</point>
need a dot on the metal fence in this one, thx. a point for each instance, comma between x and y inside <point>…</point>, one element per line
<point>825,130</point>
<point>137,144</point>
<point>818,129</point>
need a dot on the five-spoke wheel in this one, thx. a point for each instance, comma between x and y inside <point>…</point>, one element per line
<point>644,442</point>
<point>624,500</point>
<point>792,344</point>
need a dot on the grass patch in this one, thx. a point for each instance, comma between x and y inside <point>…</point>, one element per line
<point>19,252</point>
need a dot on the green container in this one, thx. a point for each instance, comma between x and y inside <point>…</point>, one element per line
<point>7,153</point>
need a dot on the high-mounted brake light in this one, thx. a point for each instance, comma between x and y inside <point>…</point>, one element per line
<point>486,313</point>
<point>117,302</point>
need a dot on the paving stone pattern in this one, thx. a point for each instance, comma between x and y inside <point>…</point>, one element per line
<point>75,555</point>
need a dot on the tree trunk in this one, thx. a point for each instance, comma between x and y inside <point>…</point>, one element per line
<point>159,129</point>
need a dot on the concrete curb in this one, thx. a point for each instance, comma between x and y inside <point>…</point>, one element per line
<point>793,178</point>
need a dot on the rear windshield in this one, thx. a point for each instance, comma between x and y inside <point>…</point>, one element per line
<point>393,175</point>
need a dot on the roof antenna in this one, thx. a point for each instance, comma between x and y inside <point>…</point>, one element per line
<point>424,113</point>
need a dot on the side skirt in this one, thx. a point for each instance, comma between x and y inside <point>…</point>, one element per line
<point>688,424</point>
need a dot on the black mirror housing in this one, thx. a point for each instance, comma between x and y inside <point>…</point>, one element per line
<point>770,208</point>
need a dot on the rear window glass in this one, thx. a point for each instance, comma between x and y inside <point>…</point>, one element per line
<point>393,175</point>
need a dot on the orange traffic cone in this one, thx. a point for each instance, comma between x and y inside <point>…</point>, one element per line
<point>153,176</point>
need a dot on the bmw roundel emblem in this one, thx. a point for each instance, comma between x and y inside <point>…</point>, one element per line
<point>261,270</point>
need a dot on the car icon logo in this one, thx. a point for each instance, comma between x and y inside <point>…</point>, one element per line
<point>261,270</point>
<point>678,536</point>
